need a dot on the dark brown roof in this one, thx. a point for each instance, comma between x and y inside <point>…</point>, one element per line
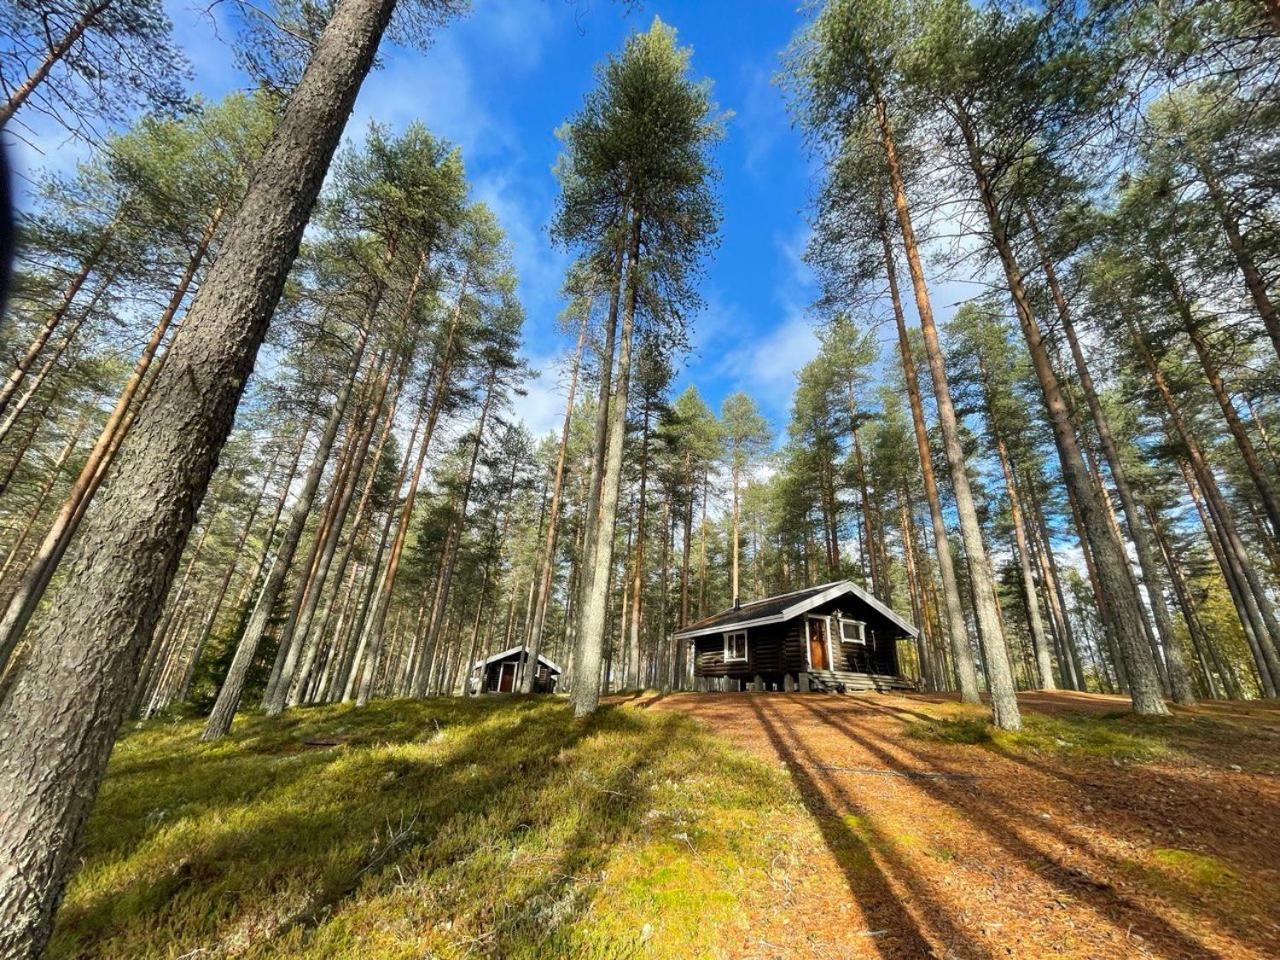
<point>756,609</point>
<point>787,605</point>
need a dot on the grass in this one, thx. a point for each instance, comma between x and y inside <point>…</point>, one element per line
<point>445,828</point>
<point>1228,736</point>
<point>1118,737</point>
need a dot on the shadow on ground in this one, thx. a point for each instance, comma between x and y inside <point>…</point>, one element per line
<point>439,828</point>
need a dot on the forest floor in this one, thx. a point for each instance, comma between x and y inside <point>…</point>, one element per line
<point>1092,834</point>
<point>686,826</point>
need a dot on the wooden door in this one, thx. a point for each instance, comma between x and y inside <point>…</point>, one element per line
<point>818,645</point>
<point>507,678</point>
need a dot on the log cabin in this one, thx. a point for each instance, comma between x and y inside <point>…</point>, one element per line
<point>835,637</point>
<point>500,673</point>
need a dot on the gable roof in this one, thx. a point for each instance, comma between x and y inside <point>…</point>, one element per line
<point>786,606</point>
<point>481,664</point>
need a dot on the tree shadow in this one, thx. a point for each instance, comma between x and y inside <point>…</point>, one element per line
<point>860,858</point>
<point>278,855</point>
<point>1120,911</point>
<point>1207,822</point>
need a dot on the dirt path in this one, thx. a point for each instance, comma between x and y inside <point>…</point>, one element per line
<point>928,849</point>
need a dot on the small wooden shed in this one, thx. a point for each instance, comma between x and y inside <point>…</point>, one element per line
<point>835,636</point>
<point>499,673</point>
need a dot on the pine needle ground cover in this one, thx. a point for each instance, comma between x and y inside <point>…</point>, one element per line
<point>690,825</point>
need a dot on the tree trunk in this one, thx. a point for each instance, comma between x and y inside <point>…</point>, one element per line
<point>57,50</point>
<point>117,428</point>
<point>591,637</point>
<point>228,700</point>
<point>225,583</point>
<point>360,661</point>
<point>50,362</point>
<point>1125,620</point>
<point>1254,282</point>
<point>54,472</point>
<point>1003,696</point>
<point>17,457</point>
<point>1138,531</point>
<point>1257,472</point>
<point>1044,664</point>
<point>1057,599</point>
<point>358,536</point>
<point>450,560</point>
<point>1257,613</point>
<point>546,575</point>
<point>291,688</point>
<point>600,438</point>
<point>637,584</point>
<point>19,371</point>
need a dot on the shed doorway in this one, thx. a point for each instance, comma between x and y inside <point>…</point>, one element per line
<point>507,678</point>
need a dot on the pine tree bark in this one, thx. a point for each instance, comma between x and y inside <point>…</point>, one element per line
<point>546,575</point>
<point>1125,621</point>
<point>1138,531</point>
<point>591,634</point>
<point>1004,700</point>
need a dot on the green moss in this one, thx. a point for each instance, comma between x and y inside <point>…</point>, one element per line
<point>1198,867</point>
<point>1103,737</point>
<point>406,829</point>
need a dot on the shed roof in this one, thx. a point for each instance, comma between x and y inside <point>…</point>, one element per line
<point>785,606</point>
<point>481,664</point>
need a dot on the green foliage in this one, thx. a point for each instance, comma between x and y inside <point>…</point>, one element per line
<point>638,155</point>
<point>119,59</point>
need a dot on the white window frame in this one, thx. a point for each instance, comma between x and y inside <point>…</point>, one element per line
<point>862,631</point>
<point>745,652</point>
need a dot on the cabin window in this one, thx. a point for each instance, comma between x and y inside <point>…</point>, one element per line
<point>735,646</point>
<point>853,631</point>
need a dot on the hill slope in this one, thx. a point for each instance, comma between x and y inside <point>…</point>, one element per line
<point>817,826</point>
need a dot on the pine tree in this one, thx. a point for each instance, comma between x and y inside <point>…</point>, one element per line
<point>87,649</point>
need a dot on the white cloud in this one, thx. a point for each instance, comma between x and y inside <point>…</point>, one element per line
<point>762,118</point>
<point>524,208</point>
<point>766,366</point>
<point>542,411</point>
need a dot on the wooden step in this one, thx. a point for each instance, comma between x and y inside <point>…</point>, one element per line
<point>833,680</point>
